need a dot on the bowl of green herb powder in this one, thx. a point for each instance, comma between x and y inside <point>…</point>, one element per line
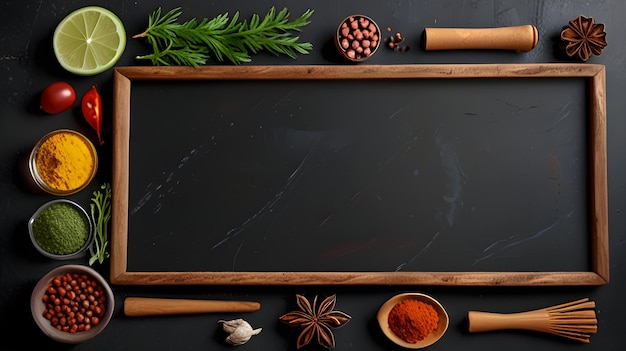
<point>61,229</point>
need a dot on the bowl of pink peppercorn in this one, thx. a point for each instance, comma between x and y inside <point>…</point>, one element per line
<point>357,38</point>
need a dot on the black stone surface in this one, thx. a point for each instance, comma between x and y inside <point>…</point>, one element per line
<point>27,65</point>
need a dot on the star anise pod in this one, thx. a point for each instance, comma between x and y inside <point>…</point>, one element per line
<point>316,321</point>
<point>584,37</point>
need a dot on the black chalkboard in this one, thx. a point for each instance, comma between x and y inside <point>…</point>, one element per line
<point>360,175</point>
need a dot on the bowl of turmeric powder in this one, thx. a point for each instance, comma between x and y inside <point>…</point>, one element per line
<point>413,320</point>
<point>63,162</point>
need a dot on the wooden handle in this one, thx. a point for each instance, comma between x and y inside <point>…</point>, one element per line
<point>144,306</point>
<point>487,321</point>
<point>518,38</point>
<point>573,320</point>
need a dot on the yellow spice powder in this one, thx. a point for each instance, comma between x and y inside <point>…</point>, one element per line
<point>65,161</point>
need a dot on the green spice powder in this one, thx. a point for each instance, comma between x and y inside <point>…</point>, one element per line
<point>60,229</point>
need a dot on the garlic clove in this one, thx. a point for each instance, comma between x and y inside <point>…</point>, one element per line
<point>239,331</point>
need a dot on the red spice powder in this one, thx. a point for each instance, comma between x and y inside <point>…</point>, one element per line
<point>413,320</point>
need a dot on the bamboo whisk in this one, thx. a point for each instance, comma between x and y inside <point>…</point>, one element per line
<point>574,320</point>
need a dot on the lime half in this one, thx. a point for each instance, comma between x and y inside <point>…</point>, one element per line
<point>89,40</point>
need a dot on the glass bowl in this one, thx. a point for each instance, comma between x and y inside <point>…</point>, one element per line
<point>357,38</point>
<point>105,301</point>
<point>58,154</point>
<point>434,336</point>
<point>59,218</point>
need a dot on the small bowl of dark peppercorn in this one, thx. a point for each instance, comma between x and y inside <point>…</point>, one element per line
<point>72,304</point>
<point>357,38</point>
<point>413,320</point>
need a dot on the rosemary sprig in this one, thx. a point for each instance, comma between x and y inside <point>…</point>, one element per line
<point>191,43</point>
<point>100,214</point>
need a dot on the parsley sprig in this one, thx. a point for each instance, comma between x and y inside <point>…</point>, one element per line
<point>191,43</point>
<point>100,214</point>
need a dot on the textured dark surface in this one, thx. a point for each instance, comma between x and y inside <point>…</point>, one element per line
<point>432,175</point>
<point>27,64</point>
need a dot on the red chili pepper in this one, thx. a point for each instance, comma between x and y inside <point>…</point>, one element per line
<point>91,105</point>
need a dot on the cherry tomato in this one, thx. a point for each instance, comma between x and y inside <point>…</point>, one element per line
<point>57,97</point>
<point>91,106</point>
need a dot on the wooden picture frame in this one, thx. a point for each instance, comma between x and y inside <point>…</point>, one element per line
<point>598,206</point>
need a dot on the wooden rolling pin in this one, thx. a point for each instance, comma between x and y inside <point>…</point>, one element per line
<point>148,306</point>
<point>518,38</point>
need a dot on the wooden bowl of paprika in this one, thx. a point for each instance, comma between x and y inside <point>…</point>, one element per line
<point>63,162</point>
<point>413,320</point>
